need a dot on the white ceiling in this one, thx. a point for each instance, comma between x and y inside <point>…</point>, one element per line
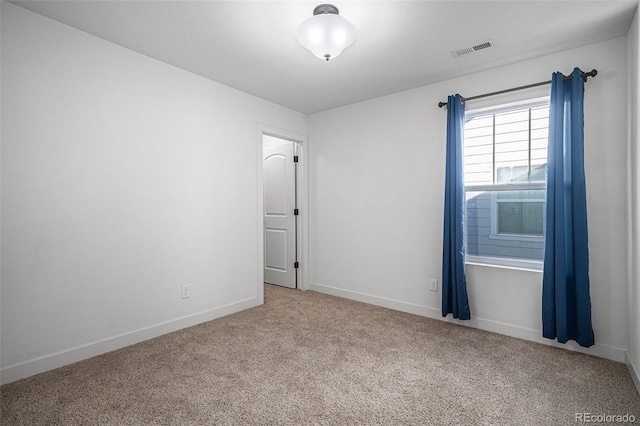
<point>400,45</point>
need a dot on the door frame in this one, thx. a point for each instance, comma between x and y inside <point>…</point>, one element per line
<point>303,204</point>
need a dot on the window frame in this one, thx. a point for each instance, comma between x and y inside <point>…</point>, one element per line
<point>503,262</point>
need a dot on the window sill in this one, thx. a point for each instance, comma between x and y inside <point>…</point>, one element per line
<point>514,264</point>
<point>517,237</point>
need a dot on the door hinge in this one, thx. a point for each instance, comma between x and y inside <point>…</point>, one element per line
<point>295,158</point>
<point>295,265</point>
<point>295,212</point>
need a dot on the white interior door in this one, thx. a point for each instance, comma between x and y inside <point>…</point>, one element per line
<point>279,218</point>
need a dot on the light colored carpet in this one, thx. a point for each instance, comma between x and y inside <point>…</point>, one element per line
<point>310,358</point>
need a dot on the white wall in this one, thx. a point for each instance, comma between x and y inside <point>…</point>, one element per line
<point>376,188</point>
<point>633,354</point>
<point>123,178</point>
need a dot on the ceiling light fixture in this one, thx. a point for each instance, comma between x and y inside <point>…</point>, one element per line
<point>326,34</point>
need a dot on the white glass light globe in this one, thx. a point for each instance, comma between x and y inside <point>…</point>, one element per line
<point>326,35</point>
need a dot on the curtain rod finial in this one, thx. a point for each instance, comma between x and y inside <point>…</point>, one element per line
<point>586,75</point>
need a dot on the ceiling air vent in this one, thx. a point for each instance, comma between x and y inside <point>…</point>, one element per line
<point>468,50</point>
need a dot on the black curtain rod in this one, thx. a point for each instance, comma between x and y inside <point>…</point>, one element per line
<point>583,76</point>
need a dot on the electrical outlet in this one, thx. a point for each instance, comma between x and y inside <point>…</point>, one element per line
<point>185,291</point>
<point>434,284</point>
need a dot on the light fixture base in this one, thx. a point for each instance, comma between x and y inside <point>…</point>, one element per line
<point>325,8</point>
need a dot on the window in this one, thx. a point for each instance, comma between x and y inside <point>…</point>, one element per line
<point>505,158</point>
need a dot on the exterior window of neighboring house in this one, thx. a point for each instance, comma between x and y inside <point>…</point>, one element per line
<point>505,158</point>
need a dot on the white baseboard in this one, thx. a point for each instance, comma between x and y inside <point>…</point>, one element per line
<point>633,372</point>
<point>602,351</point>
<point>396,305</point>
<point>31,367</point>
